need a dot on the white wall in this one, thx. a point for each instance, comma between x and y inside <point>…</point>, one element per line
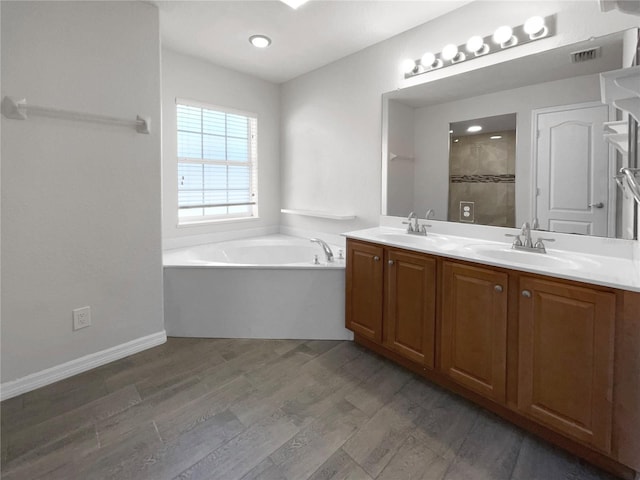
<point>331,117</point>
<point>80,201</point>
<point>432,137</point>
<point>190,78</point>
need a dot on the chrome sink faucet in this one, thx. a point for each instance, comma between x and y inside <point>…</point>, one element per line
<point>526,242</point>
<point>525,233</point>
<point>415,228</point>
<point>327,249</point>
<point>410,227</point>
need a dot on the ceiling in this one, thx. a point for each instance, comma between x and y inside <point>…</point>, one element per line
<point>303,40</point>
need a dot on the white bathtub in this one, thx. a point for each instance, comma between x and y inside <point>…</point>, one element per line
<point>263,287</point>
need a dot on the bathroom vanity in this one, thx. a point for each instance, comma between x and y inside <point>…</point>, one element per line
<point>549,342</point>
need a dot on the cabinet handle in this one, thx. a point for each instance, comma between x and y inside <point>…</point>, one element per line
<point>390,262</point>
<point>376,258</point>
<point>526,293</point>
<point>498,288</point>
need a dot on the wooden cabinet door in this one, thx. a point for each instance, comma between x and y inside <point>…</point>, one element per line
<point>409,323</point>
<point>565,358</point>
<point>364,289</point>
<point>473,347</point>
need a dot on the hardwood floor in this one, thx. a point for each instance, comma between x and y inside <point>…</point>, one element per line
<point>264,409</point>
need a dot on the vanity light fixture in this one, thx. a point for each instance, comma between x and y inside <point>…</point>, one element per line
<point>450,53</point>
<point>535,28</point>
<point>477,46</point>
<point>505,36</point>
<point>409,67</point>
<point>474,128</point>
<point>430,61</point>
<point>260,41</point>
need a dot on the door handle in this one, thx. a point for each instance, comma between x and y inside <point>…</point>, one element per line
<point>376,258</point>
<point>390,262</point>
<point>596,205</point>
<point>526,293</point>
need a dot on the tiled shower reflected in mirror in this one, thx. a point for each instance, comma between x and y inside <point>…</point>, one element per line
<point>482,154</point>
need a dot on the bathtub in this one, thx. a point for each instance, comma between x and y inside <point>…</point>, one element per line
<point>263,287</point>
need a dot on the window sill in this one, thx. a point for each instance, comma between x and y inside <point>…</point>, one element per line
<point>220,221</point>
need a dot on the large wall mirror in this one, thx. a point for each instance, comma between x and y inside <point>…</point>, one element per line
<point>513,142</point>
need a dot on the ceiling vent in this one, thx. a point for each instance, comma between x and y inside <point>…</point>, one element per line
<point>585,55</point>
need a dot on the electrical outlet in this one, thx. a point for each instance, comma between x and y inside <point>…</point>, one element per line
<point>467,212</point>
<point>81,318</point>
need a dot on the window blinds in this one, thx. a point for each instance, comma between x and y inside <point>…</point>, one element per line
<point>217,162</point>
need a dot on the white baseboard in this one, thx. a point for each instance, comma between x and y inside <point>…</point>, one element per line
<point>22,385</point>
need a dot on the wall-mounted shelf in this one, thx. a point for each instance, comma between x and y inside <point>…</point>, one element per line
<point>395,156</point>
<point>621,88</point>
<point>617,134</point>
<point>317,214</point>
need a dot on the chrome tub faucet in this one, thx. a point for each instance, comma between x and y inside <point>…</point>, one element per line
<point>327,249</point>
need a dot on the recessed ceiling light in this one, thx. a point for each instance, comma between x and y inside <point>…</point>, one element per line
<point>456,140</point>
<point>474,128</point>
<point>294,3</point>
<point>495,137</point>
<point>260,41</point>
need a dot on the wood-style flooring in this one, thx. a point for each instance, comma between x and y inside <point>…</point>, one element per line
<point>264,409</point>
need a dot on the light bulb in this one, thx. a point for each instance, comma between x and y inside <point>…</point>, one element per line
<point>534,25</point>
<point>408,65</point>
<point>474,128</point>
<point>260,41</point>
<point>502,34</point>
<point>428,59</point>
<point>449,51</point>
<point>474,44</point>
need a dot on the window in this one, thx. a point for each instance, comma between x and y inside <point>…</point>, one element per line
<point>217,163</point>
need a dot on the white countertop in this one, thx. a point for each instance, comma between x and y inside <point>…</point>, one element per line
<point>608,270</point>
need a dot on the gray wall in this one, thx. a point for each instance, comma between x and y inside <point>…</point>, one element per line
<point>80,201</point>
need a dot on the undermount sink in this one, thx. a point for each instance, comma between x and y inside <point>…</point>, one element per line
<point>413,239</point>
<point>534,259</point>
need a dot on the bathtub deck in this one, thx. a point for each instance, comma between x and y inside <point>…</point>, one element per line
<point>263,409</point>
